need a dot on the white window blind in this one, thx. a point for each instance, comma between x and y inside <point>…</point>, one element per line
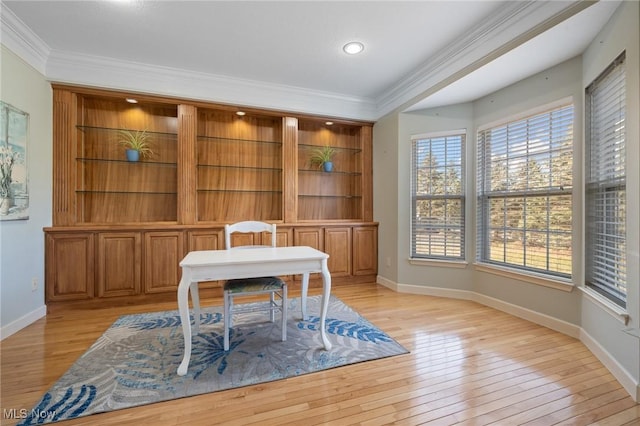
<point>437,195</point>
<point>606,184</point>
<point>524,193</point>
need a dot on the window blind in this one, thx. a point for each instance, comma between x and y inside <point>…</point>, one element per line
<point>524,193</point>
<point>437,194</point>
<point>606,184</point>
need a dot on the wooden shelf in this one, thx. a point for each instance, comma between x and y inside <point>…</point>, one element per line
<point>239,166</point>
<point>110,189</point>
<point>209,167</point>
<point>337,194</point>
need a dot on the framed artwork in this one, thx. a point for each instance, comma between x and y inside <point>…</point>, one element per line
<point>14,135</point>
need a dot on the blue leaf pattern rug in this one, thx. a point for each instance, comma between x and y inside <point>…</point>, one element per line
<point>135,361</point>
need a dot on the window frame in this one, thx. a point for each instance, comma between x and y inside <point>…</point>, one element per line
<point>484,196</point>
<point>445,227</point>
<point>605,194</point>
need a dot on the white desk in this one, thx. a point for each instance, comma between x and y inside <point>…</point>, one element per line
<point>212,265</point>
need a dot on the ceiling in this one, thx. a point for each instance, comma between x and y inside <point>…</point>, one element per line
<point>288,54</point>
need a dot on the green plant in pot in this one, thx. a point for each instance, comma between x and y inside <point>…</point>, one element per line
<point>136,143</point>
<point>323,158</point>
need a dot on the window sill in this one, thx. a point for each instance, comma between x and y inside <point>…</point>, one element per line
<point>439,263</point>
<point>611,308</point>
<point>531,278</point>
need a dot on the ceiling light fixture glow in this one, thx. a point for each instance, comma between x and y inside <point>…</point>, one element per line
<point>132,101</point>
<point>329,123</point>
<point>353,47</point>
<point>240,113</point>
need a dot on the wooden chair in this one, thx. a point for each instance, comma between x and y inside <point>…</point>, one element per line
<point>273,286</point>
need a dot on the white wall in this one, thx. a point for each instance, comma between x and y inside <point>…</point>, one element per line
<point>22,241</point>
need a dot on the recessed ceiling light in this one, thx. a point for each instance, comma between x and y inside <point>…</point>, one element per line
<point>353,47</point>
<point>132,101</point>
<point>329,123</point>
<point>240,113</point>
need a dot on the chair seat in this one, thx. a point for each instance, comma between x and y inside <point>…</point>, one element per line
<point>253,284</point>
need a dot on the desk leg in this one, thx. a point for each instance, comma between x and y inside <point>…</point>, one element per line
<point>326,293</point>
<point>183,307</point>
<point>303,296</point>
<point>195,300</point>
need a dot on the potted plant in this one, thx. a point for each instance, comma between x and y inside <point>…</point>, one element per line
<point>136,144</point>
<point>323,158</point>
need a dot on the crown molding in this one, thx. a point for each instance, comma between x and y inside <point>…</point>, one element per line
<point>19,38</point>
<point>87,70</point>
<point>111,73</point>
<point>516,23</point>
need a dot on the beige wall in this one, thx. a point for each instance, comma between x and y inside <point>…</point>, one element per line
<point>457,117</point>
<point>385,186</point>
<point>552,85</point>
<point>565,309</point>
<point>22,241</point>
<point>622,341</point>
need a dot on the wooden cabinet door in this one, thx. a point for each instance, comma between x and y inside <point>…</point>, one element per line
<point>206,240</point>
<point>163,252</point>
<point>119,264</point>
<point>312,237</point>
<point>69,273</point>
<point>212,239</point>
<point>284,237</point>
<point>365,250</point>
<point>337,244</point>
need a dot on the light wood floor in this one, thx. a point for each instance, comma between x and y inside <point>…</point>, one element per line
<point>469,364</point>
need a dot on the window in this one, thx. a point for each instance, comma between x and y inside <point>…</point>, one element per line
<point>524,193</point>
<point>437,196</point>
<point>606,184</point>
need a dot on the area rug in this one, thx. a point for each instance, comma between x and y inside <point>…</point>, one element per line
<point>135,361</point>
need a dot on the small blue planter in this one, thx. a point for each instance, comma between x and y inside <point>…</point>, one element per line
<point>327,166</point>
<point>133,155</point>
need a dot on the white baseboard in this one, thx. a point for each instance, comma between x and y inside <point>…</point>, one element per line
<point>529,315</point>
<point>622,375</point>
<point>625,379</point>
<point>425,290</point>
<point>22,322</point>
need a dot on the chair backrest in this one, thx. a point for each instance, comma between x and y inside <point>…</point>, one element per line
<point>249,226</point>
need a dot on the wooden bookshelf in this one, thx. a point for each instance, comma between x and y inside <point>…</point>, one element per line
<point>210,166</point>
<point>239,167</point>
<point>110,189</point>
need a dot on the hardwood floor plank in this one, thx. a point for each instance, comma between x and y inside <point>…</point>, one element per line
<point>628,417</point>
<point>574,413</point>
<point>468,364</point>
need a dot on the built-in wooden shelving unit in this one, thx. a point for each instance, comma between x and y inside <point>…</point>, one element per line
<point>120,228</point>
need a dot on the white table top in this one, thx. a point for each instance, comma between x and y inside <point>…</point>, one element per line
<point>241,256</point>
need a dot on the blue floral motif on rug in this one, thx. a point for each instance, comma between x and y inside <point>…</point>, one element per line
<point>135,361</point>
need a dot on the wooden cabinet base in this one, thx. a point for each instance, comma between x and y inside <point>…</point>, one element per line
<point>121,228</point>
<point>129,265</point>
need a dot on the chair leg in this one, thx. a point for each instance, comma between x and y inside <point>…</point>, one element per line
<point>272,306</point>
<point>284,312</point>
<point>303,297</point>
<point>227,319</point>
